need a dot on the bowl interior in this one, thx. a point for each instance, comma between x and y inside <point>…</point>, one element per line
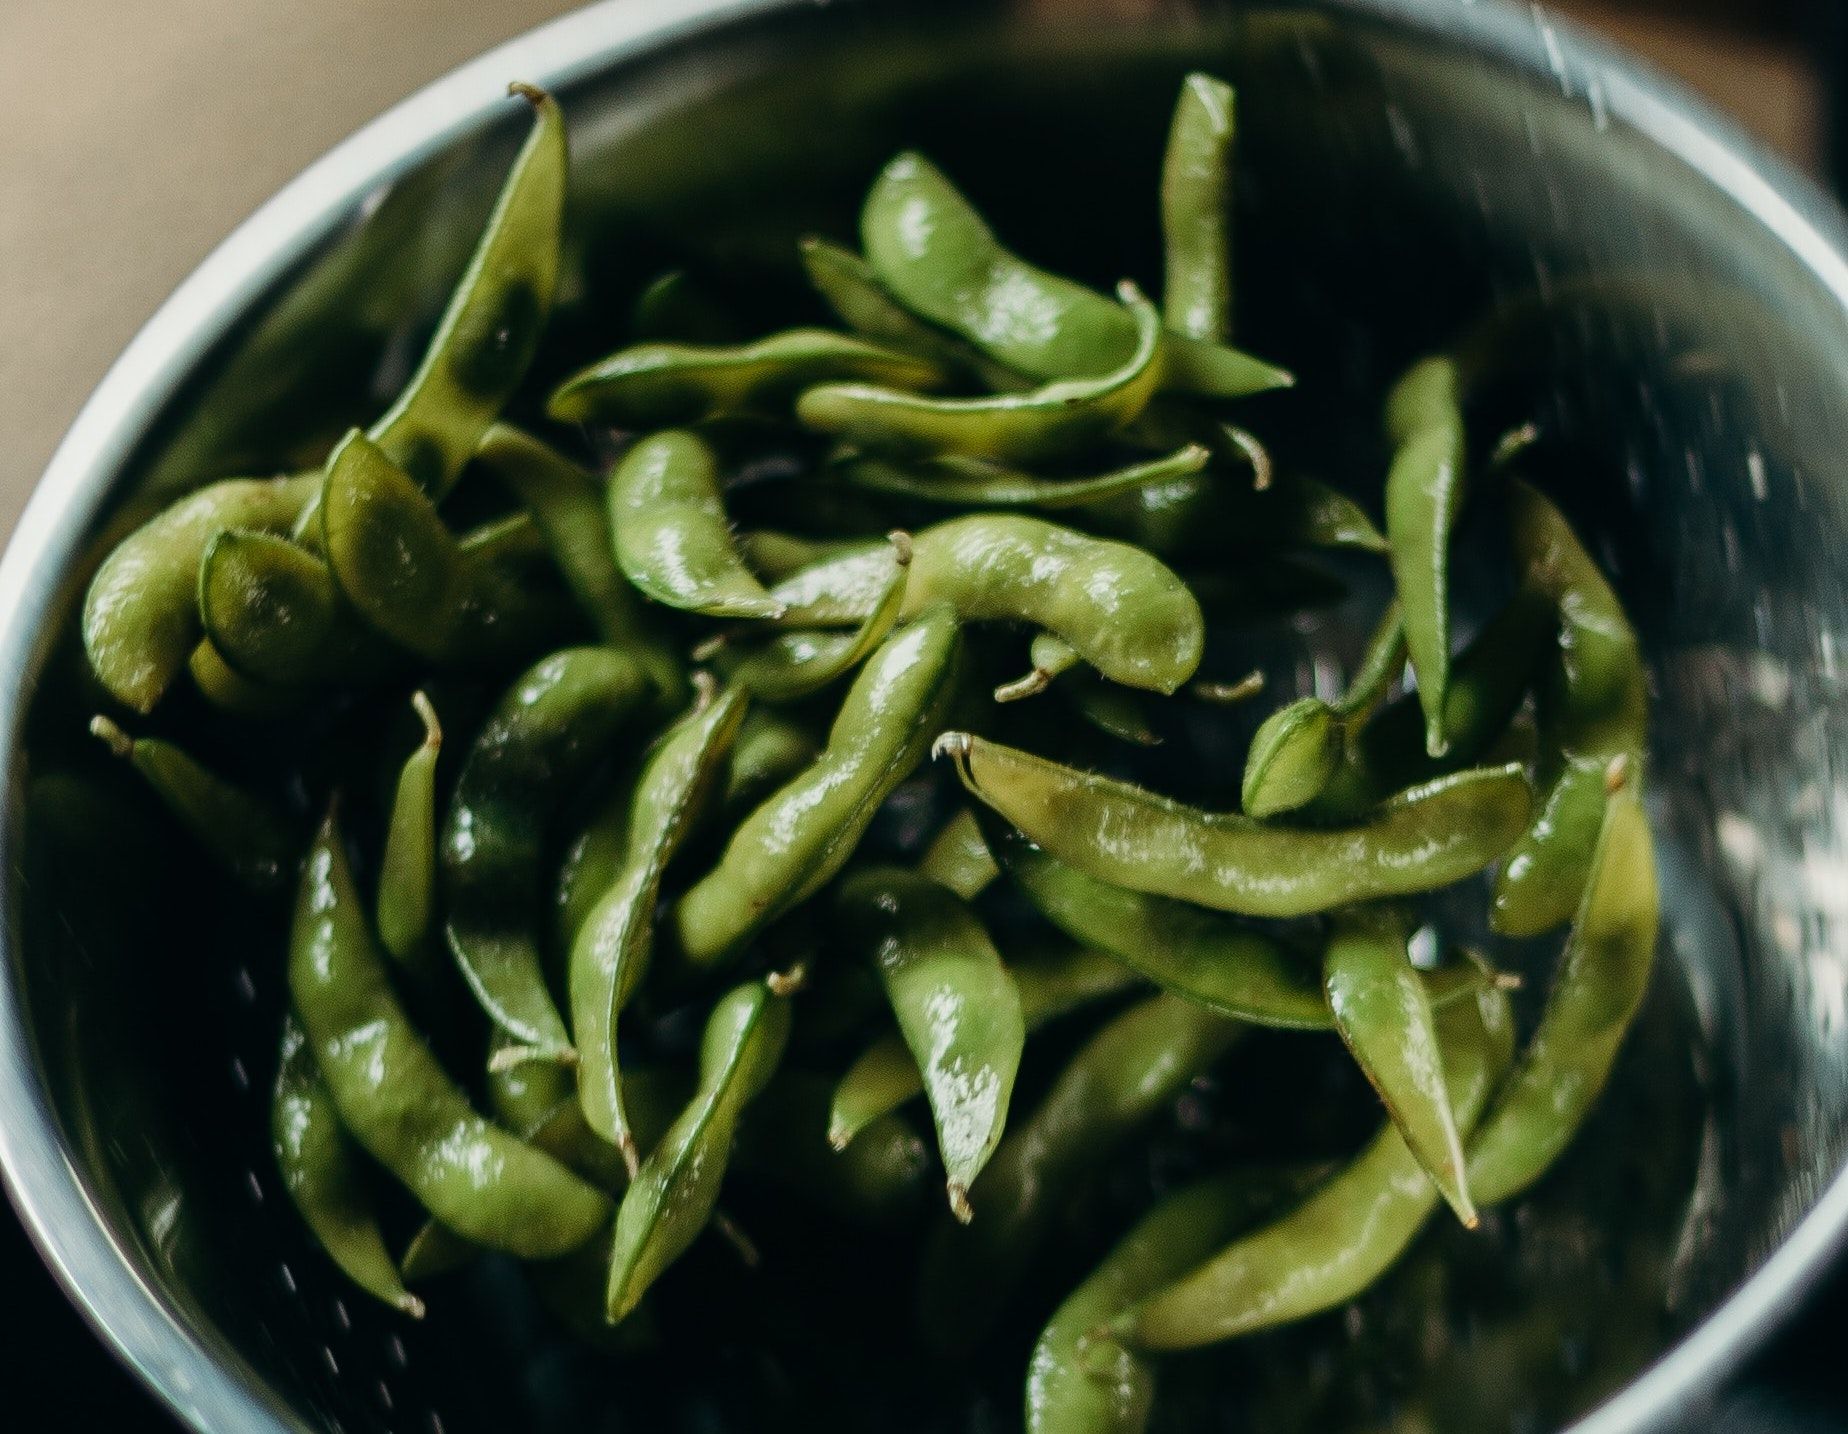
<point>1398,193</point>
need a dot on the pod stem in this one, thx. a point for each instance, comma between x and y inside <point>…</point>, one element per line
<point>112,736</point>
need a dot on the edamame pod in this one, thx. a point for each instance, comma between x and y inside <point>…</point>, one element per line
<point>794,843</point>
<point>772,747</point>
<point>675,308</point>
<point>656,385</point>
<point>1124,612</point>
<point>141,612</point>
<point>957,1008</point>
<point>590,863</point>
<point>272,611</point>
<point>1424,838</point>
<point>793,665</point>
<point>885,1075</point>
<point>245,835</point>
<point>941,260</point>
<point>1120,1079</point>
<point>958,858</point>
<point>1603,975</point>
<point>1593,718</point>
<point>611,951</point>
<point>1424,494</point>
<point>316,1161</point>
<point>487,336</point>
<point>672,1196</point>
<point>407,866</point>
<point>1066,416</point>
<point>546,735</point>
<point>1196,210</point>
<point>1299,748</point>
<point>1204,514</point>
<point>568,506</point>
<point>393,1095</point>
<point>971,483</point>
<point>1079,1380</point>
<point>408,577</point>
<point>1345,1235</point>
<point>1384,1015</point>
<point>672,537</point>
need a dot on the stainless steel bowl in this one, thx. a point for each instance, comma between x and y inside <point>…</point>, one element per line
<point>1666,298</point>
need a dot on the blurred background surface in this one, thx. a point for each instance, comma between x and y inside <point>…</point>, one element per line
<point>135,136</point>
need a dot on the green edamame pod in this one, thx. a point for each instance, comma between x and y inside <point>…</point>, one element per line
<point>141,613</point>
<point>971,483</point>
<point>1422,839</point>
<point>230,691</point>
<point>1118,1081</point>
<point>940,259</point>
<point>1345,1235</point>
<point>876,1181</point>
<point>567,503</point>
<point>794,843</point>
<point>958,858</point>
<point>1298,750</point>
<point>1384,1015</point>
<point>1593,711</point>
<point>672,1196</point>
<point>885,1075</point>
<point>1603,974</point>
<point>780,555</point>
<point>957,1008</point>
<point>1079,1380</point>
<point>1066,416</point>
<point>674,308</point>
<point>246,836</point>
<point>272,611</point>
<point>1199,955</point>
<point>544,737</point>
<point>1424,494</point>
<point>1124,612</point>
<point>316,1161</point>
<point>611,951</point>
<point>408,577</point>
<point>672,537</point>
<point>792,665</point>
<point>847,285</point>
<point>657,385</point>
<point>490,331</point>
<point>393,1095</point>
<point>1196,210</point>
<point>407,867</point>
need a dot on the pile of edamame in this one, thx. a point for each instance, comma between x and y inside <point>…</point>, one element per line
<point>684,908</point>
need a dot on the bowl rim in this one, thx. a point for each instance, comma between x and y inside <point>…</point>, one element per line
<point>41,1175</point>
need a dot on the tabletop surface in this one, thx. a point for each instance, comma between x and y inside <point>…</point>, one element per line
<point>134,136</point>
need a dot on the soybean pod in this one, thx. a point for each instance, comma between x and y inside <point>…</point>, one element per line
<point>549,731</point>
<point>610,952</point>
<point>672,1196</point>
<point>407,866</point>
<point>957,1008</point>
<point>1422,839</point>
<point>1124,612</point>
<point>972,483</point>
<point>795,842</point>
<point>1196,210</point>
<point>244,834</point>
<point>942,261</point>
<point>1603,976</point>
<point>394,1096</point>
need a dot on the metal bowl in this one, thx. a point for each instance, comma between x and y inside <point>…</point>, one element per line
<point>1668,302</point>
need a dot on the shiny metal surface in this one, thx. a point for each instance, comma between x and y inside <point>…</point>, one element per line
<point>1668,300</point>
